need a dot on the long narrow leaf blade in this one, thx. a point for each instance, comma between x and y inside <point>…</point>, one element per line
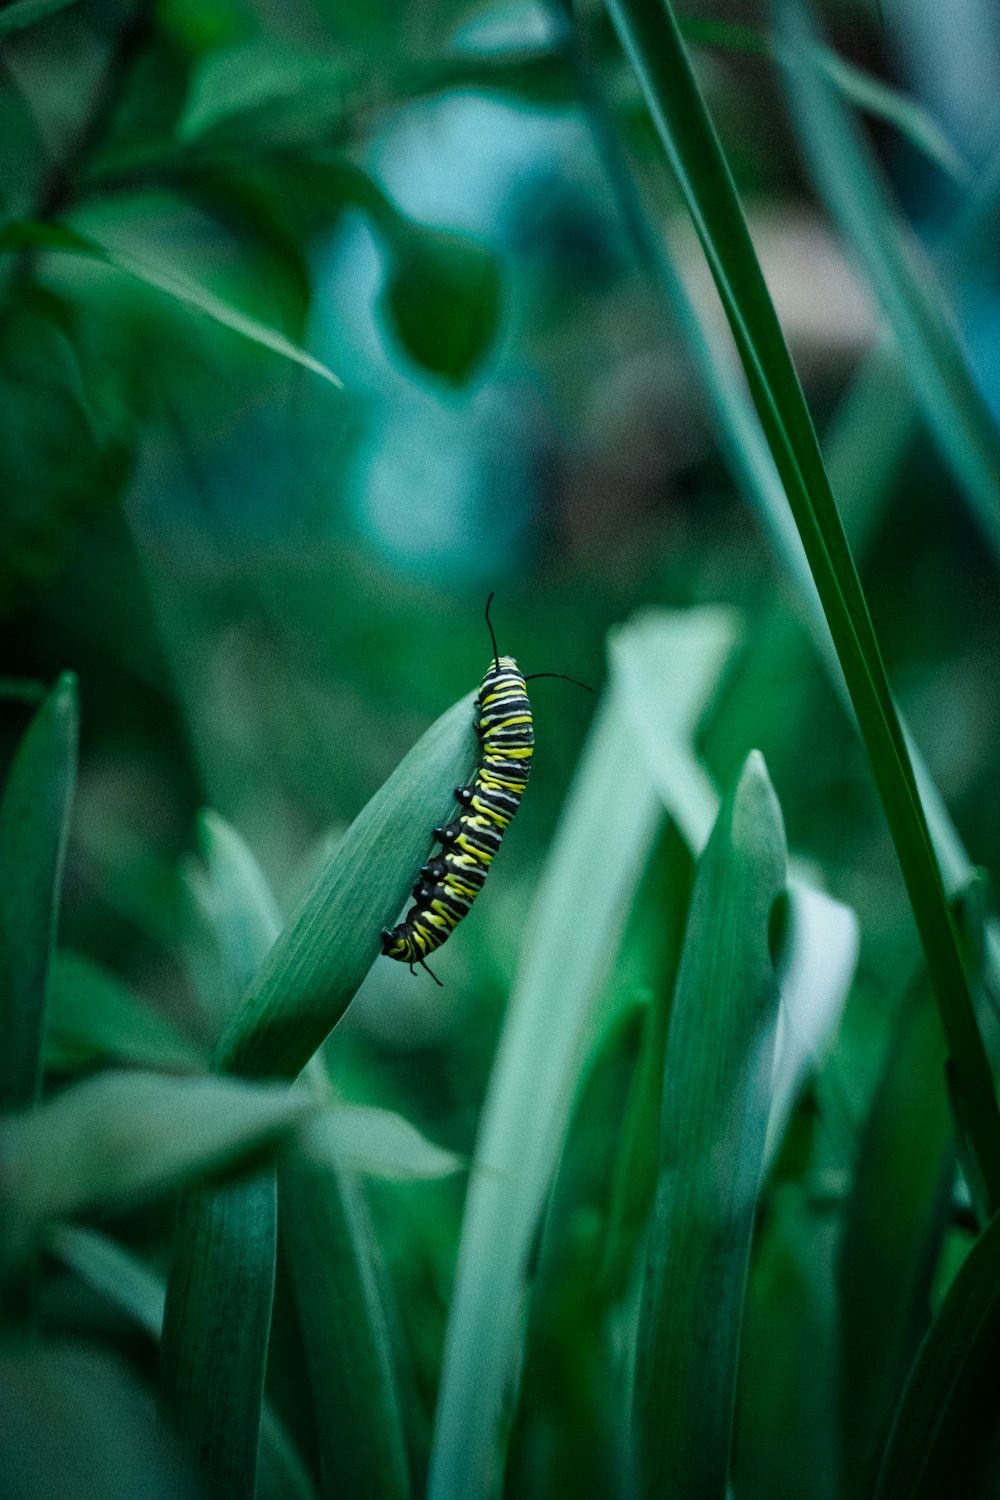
<point>210,1389</point>
<point>844,170</point>
<point>327,1241</point>
<point>652,41</point>
<point>173,284</point>
<point>606,831</point>
<point>946,1428</point>
<point>716,1097</point>
<point>332,939</point>
<point>34,827</point>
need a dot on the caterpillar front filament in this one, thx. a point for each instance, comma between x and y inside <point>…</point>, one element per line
<point>450,881</point>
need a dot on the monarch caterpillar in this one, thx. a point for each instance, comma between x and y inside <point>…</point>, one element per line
<point>450,881</point>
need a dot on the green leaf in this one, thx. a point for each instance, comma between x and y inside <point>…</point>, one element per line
<point>211,1377</point>
<point>607,828</point>
<point>716,1097</point>
<point>34,828</point>
<point>442,299</point>
<point>844,169</point>
<point>60,237</point>
<point>328,1245</point>
<point>215,1328</point>
<point>120,1137</point>
<point>331,940</point>
<point>360,1138</point>
<point>649,33</point>
<point>944,1437</point>
<point>94,1018</point>
<point>22,13</point>
<point>892,1234</point>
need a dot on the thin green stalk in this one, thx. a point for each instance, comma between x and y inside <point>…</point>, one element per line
<point>653,43</point>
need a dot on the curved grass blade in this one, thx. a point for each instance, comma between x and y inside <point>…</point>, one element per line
<point>213,1351</point>
<point>716,1098</point>
<point>34,828</point>
<point>361,1138</point>
<point>327,1240</point>
<point>930,345</point>
<point>331,940</point>
<point>892,1234</point>
<point>607,829</point>
<point>210,1387</point>
<point>30,234</point>
<point>943,1439</point>
<point>649,34</point>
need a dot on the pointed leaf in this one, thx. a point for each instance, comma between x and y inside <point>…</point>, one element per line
<point>716,1097</point>
<point>379,1142</point>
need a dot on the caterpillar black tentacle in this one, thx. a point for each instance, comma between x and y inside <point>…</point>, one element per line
<point>451,880</point>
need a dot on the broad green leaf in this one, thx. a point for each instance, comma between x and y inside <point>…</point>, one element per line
<point>77,1423</point>
<point>119,1137</point>
<point>716,1097</point>
<point>61,238</point>
<point>442,299</point>
<point>648,31</point>
<point>34,827</point>
<point>328,1245</point>
<point>605,834</point>
<point>22,13</point>
<point>211,1390</point>
<point>360,1138</point>
<point>892,1234</point>
<point>930,346</point>
<point>331,940</point>
<point>93,1017</point>
<point>944,1437</point>
<point>129,1284</point>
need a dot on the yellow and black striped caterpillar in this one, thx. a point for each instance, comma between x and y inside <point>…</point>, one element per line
<point>449,882</point>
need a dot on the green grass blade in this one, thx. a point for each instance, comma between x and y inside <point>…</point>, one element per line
<point>95,1019</point>
<point>716,1097</point>
<point>946,1424</point>
<point>892,1235</point>
<point>215,1328</point>
<point>649,33</point>
<point>179,288</point>
<point>327,1241</point>
<point>843,167</point>
<point>34,827</point>
<point>210,1387</point>
<point>332,939</point>
<point>607,828</point>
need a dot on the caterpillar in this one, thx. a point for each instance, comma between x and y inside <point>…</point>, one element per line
<point>450,881</point>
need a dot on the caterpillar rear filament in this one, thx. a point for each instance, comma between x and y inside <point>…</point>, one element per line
<point>450,881</point>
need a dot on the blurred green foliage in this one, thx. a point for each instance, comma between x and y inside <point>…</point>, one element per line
<point>318,323</point>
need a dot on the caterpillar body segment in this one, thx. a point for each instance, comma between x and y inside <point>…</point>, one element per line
<point>451,880</point>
